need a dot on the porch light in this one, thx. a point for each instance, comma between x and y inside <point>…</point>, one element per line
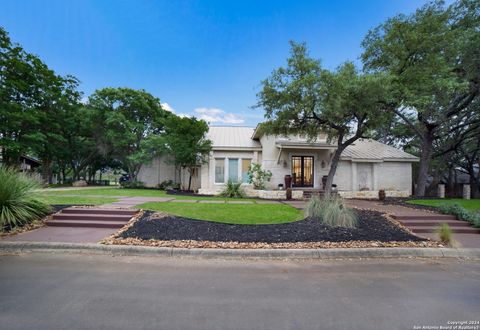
<point>323,164</point>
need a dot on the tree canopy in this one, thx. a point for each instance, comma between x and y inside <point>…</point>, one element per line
<point>302,98</point>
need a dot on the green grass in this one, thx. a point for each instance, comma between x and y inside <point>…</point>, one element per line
<point>129,193</point>
<point>59,200</point>
<point>246,214</point>
<point>469,204</point>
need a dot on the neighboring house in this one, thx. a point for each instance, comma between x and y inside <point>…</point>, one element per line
<point>364,168</point>
<point>27,163</point>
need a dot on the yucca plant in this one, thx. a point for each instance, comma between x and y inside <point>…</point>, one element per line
<point>19,203</point>
<point>331,211</point>
<point>233,189</point>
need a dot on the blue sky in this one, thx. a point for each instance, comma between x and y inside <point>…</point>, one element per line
<point>203,58</point>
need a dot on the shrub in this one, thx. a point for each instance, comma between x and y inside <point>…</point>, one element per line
<point>233,189</point>
<point>19,202</point>
<point>257,176</point>
<point>132,184</point>
<point>445,234</point>
<point>168,185</point>
<point>331,211</point>
<point>461,213</point>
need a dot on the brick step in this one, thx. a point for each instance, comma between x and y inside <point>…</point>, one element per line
<point>92,217</point>
<point>91,224</point>
<point>425,217</point>
<point>427,223</point>
<point>457,230</point>
<point>73,210</point>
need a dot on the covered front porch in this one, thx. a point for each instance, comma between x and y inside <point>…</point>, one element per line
<point>306,163</point>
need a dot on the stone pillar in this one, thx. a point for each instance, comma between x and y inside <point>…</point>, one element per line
<point>466,191</point>
<point>441,190</point>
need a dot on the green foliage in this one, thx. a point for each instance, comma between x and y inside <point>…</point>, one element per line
<point>135,184</point>
<point>19,203</point>
<point>302,98</point>
<point>331,211</point>
<point>124,120</point>
<point>258,176</point>
<point>168,184</point>
<point>233,190</point>
<point>433,59</point>
<point>461,213</point>
<point>445,234</point>
<point>186,142</point>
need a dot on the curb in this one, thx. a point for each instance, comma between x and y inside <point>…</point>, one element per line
<point>336,253</point>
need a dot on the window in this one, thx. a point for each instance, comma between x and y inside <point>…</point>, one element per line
<point>245,167</point>
<point>233,169</point>
<point>219,170</point>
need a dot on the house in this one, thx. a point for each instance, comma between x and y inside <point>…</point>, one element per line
<point>27,163</point>
<point>364,168</point>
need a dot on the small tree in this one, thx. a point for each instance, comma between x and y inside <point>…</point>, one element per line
<point>185,140</point>
<point>258,176</point>
<point>302,98</point>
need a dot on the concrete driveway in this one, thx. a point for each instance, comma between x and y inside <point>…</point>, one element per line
<point>51,291</point>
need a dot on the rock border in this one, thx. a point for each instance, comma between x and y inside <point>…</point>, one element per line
<point>334,253</point>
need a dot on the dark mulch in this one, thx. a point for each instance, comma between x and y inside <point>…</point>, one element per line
<point>185,193</point>
<point>372,227</point>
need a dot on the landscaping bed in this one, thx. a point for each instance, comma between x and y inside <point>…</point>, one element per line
<point>160,229</point>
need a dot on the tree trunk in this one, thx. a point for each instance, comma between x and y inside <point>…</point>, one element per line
<point>451,182</point>
<point>473,183</point>
<point>189,179</point>
<point>425,158</point>
<point>333,170</point>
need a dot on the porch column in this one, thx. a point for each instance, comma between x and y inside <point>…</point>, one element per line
<point>354,176</point>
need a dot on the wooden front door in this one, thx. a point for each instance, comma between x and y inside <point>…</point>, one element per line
<point>302,171</point>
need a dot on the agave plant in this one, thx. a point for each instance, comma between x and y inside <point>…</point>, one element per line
<point>233,189</point>
<point>19,202</point>
<point>331,211</point>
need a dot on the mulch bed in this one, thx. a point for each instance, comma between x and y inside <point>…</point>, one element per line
<point>372,226</point>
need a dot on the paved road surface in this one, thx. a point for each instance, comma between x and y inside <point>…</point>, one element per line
<point>49,291</point>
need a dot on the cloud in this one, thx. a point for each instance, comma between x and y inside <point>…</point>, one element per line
<point>215,115</point>
<point>167,107</point>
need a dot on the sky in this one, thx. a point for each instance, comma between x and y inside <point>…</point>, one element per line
<point>201,58</point>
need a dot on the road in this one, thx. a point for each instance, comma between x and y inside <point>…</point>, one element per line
<point>53,291</point>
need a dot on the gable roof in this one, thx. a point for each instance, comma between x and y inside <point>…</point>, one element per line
<point>368,149</point>
<point>232,137</point>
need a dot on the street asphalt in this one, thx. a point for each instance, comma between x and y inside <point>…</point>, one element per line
<point>72,291</point>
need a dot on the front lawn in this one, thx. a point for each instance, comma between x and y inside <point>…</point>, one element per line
<point>469,204</point>
<point>247,214</point>
<point>73,200</point>
<point>130,193</point>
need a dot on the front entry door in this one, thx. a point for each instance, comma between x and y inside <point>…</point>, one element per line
<point>302,171</point>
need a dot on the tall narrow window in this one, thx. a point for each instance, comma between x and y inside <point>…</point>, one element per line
<point>219,170</point>
<point>233,169</point>
<point>245,167</point>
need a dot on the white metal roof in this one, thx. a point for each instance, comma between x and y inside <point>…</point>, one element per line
<point>234,137</point>
<point>368,149</point>
<point>239,137</point>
